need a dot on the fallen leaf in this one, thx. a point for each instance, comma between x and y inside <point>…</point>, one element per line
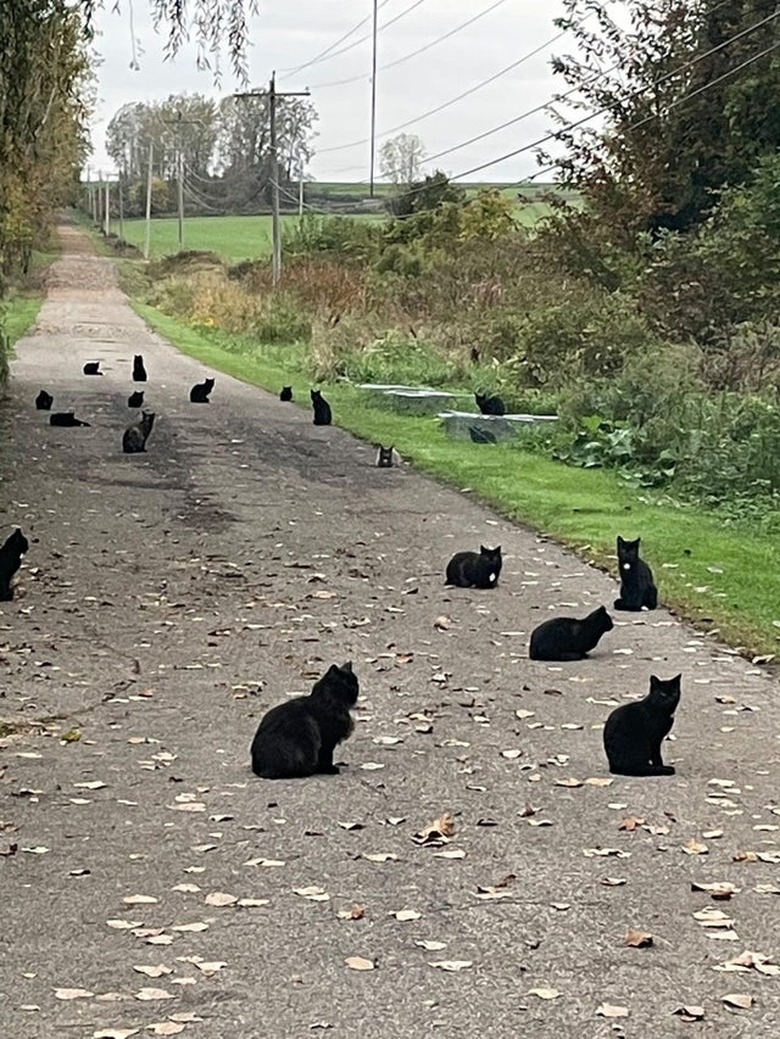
<point>165,1028</point>
<point>220,898</point>
<point>638,939</point>
<point>429,945</point>
<point>355,913</point>
<point>380,856</point>
<point>359,963</point>
<point>544,993</point>
<point>568,782</point>
<point>719,890</point>
<point>137,900</point>
<point>314,894</point>
<point>689,1013</point>
<point>153,970</point>
<point>450,853</point>
<point>613,881</point>
<point>451,965</point>
<point>609,1010</point>
<point>694,847</point>
<point>631,823</point>
<point>442,623</point>
<point>210,967</point>
<point>406,914</point>
<point>72,993</point>
<point>114,1033</point>
<point>739,1000</point>
<point>437,832</point>
<point>149,995</point>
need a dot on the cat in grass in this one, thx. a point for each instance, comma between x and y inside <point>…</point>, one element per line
<point>136,399</point>
<point>286,393</point>
<point>139,372</point>
<point>322,412</point>
<point>44,401</point>
<point>490,405</point>
<point>635,731</point>
<point>475,569</point>
<point>10,560</point>
<point>199,394</point>
<point>65,418</point>
<point>297,738</point>
<point>637,588</point>
<point>134,437</point>
<point>566,638</point>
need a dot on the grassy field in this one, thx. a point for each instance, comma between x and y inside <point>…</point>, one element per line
<point>723,578</point>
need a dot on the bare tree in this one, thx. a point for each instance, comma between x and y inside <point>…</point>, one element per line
<point>401,159</point>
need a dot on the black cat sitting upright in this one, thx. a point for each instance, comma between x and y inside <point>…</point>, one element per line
<point>637,588</point>
<point>11,554</point>
<point>136,399</point>
<point>566,638</point>
<point>199,394</point>
<point>322,413</point>
<point>297,738</point>
<point>635,731</point>
<point>44,401</point>
<point>139,372</point>
<point>286,393</point>
<point>386,457</point>
<point>475,569</point>
<point>490,405</point>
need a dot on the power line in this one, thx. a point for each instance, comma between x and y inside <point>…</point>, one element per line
<point>452,101</point>
<point>322,55</point>
<point>412,54</point>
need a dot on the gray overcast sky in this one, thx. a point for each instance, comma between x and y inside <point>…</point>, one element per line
<point>290,33</point>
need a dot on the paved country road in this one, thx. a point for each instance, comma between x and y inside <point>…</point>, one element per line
<point>168,599</point>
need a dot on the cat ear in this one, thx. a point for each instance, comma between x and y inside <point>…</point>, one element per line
<point>347,666</point>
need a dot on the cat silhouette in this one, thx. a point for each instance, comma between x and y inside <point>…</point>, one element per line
<point>286,393</point>
<point>11,554</point>
<point>44,401</point>
<point>490,405</point>
<point>566,638</point>
<point>92,368</point>
<point>637,588</point>
<point>134,437</point>
<point>322,412</point>
<point>139,372</point>
<point>634,732</point>
<point>136,399</point>
<point>199,394</point>
<point>65,418</point>
<point>475,569</point>
<point>386,457</point>
<point>297,738</point>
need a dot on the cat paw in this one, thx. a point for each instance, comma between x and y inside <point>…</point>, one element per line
<point>668,770</point>
<point>330,770</point>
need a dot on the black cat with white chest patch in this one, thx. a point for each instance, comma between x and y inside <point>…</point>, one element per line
<point>634,732</point>
<point>297,738</point>
<point>322,413</point>
<point>637,587</point>
<point>566,638</point>
<point>475,569</point>
<point>386,457</point>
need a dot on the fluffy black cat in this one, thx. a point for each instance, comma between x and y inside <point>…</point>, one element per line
<point>65,418</point>
<point>10,559</point>
<point>386,457</point>
<point>199,394</point>
<point>492,405</point>
<point>475,569</point>
<point>481,436</point>
<point>298,738</point>
<point>566,638</point>
<point>634,732</point>
<point>134,437</point>
<point>286,393</point>
<point>44,401</point>
<point>136,399</point>
<point>92,368</point>
<point>139,372</point>
<point>637,588</point>
<point>322,412</point>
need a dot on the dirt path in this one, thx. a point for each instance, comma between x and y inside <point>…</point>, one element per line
<point>168,599</point>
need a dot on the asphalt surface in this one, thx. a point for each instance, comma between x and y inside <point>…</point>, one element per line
<point>168,599</point>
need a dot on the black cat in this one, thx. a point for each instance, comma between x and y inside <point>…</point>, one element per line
<point>475,569</point>
<point>65,418</point>
<point>92,368</point>
<point>286,393</point>
<point>10,559</point>
<point>139,372</point>
<point>481,436</point>
<point>386,457</point>
<point>199,394</point>
<point>634,732</point>
<point>136,399</point>
<point>44,401</point>
<point>566,638</point>
<point>134,437</point>
<point>490,405</point>
<point>637,588</point>
<point>298,738</point>
<point>322,412</point>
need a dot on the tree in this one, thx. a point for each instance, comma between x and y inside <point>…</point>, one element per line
<point>687,91</point>
<point>401,159</point>
<point>185,123</point>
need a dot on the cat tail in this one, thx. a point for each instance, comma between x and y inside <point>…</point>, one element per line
<point>625,604</point>
<point>622,768</point>
<point>651,598</point>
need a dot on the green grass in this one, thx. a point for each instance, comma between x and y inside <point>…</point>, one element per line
<point>584,509</point>
<point>20,315</point>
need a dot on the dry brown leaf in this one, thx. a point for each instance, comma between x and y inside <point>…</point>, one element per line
<point>380,856</point>
<point>610,1010</point>
<point>571,781</point>
<point>437,832</point>
<point>694,847</point>
<point>153,970</point>
<point>359,963</point>
<point>430,946</point>
<point>406,914</point>
<point>451,965</point>
<point>599,781</point>
<point>613,881</point>
<point>198,925</point>
<point>165,1028</point>
<point>738,1000</point>
<point>450,853</point>
<point>114,1033</point>
<point>631,823</point>
<point>442,622</point>
<point>137,900</point>
<point>616,853</point>
<point>220,898</point>
<point>689,1013</point>
<point>544,993</point>
<point>720,890</point>
<point>638,939</point>
<point>148,995</point>
<point>209,967</point>
<point>355,913</point>
<point>314,894</point>
<point>72,993</point>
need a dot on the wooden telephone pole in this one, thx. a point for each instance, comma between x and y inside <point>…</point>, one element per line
<point>276,227</point>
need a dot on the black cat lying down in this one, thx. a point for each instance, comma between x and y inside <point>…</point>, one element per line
<point>566,638</point>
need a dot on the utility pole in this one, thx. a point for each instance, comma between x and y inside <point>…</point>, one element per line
<point>181,199</point>
<point>149,203</point>
<point>373,100</point>
<point>121,210</point>
<point>107,212</point>
<point>276,227</point>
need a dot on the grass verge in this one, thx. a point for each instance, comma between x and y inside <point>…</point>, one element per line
<point>722,578</point>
